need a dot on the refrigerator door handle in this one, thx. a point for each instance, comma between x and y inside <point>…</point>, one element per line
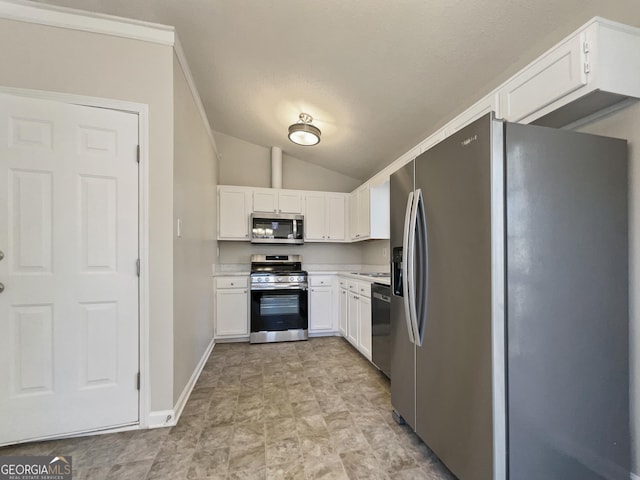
<point>411,270</point>
<point>420,278</point>
<point>407,259</point>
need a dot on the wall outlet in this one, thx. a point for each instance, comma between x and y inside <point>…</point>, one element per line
<point>384,252</point>
<point>179,228</point>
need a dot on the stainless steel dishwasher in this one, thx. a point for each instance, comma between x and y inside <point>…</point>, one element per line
<point>380,327</point>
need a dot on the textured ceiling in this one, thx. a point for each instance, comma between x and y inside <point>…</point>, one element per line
<point>376,75</point>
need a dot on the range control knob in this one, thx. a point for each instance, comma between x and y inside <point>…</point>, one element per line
<point>279,279</point>
<point>291,279</point>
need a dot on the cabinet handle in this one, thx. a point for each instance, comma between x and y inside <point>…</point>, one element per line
<point>232,284</point>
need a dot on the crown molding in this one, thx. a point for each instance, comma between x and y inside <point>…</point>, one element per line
<point>43,14</point>
<point>182,60</point>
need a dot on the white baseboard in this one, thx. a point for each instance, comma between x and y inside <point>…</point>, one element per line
<point>161,418</point>
<point>184,396</point>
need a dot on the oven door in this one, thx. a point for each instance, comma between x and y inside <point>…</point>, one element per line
<point>279,309</point>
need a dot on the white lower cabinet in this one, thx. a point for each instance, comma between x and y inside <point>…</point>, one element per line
<point>322,306</point>
<point>231,295</point>
<point>357,314</point>
<point>364,322</point>
<point>343,312</point>
<point>353,318</point>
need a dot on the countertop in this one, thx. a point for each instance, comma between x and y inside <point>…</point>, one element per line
<point>356,276</point>
<point>242,270</point>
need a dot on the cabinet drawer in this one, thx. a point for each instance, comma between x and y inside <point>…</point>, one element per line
<point>364,289</point>
<point>342,282</point>
<point>320,280</point>
<point>232,282</point>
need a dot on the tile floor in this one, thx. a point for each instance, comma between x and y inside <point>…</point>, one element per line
<point>301,410</point>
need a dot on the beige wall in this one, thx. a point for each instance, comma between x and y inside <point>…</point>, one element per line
<point>328,254</point>
<point>376,252</point>
<point>60,60</point>
<point>247,164</point>
<point>194,203</point>
<point>626,124</point>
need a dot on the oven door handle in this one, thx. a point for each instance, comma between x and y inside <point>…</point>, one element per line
<point>279,287</point>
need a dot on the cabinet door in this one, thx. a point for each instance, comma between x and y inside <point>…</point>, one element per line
<point>289,202</point>
<point>233,214</point>
<point>265,201</point>
<point>364,211</point>
<point>314,219</point>
<point>336,218</point>
<point>556,74</point>
<point>342,321</point>
<point>321,309</point>
<point>364,321</point>
<point>353,217</point>
<point>232,313</point>
<point>352,319</point>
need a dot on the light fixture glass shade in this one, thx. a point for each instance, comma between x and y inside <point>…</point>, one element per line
<point>303,133</point>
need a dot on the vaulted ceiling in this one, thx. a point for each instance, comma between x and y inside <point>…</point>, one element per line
<point>377,75</point>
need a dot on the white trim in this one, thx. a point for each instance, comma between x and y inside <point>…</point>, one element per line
<point>178,408</point>
<point>142,110</point>
<point>26,11</point>
<point>633,476</point>
<point>161,418</point>
<point>182,60</point>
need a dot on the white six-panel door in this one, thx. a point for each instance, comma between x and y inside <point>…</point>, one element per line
<point>69,235</point>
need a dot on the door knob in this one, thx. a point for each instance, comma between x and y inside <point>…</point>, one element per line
<point>1,287</point>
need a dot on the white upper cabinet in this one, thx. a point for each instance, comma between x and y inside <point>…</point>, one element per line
<point>370,212</point>
<point>337,207</point>
<point>234,208</point>
<point>553,76</point>
<point>325,217</point>
<point>592,69</point>
<point>277,201</point>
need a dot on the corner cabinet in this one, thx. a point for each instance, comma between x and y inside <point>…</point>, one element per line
<point>234,209</point>
<point>322,305</point>
<point>231,296</point>
<point>326,217</point>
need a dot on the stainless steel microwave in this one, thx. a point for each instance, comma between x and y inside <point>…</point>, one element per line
<point>276,228</point>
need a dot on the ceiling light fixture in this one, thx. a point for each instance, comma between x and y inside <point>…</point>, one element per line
<point>303,132</point>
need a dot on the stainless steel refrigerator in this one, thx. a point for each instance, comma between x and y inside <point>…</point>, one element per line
<point>509,306</point>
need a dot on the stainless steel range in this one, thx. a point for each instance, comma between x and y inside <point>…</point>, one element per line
<point>278,299</point>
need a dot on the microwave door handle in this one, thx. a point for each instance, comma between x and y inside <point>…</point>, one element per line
<point>295,228</point>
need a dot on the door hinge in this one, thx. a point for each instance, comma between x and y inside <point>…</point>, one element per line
<point>138,381</point>
<point>586,47</point>
<point>138,267</point>
<point>587,67</point>
<point>138,153</point>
